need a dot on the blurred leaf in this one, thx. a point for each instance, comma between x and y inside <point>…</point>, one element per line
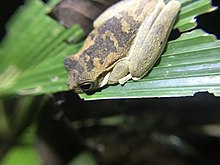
<point>22,156</point>
<point>4,127</point>
<point>113,120</point>
<point>24,153</point>
<point>33,51</point>
<point>83,158</point>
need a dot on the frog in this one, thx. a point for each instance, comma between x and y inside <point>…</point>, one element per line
<point>125,43</point>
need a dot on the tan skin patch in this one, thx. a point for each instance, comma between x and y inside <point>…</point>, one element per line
<point>111,36</point>
<point>125,26</point>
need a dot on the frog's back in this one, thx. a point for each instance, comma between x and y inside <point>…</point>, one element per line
<point>112,39</point>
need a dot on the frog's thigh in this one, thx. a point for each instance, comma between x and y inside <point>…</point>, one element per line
<point>119,71</point>
<point>148,46</point>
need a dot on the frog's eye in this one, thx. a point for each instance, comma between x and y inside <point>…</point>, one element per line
<point>87,86</point>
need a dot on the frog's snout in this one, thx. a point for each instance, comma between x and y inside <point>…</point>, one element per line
<point>67,63</point>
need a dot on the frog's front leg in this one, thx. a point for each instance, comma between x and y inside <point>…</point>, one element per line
<point>148,45</point>
<point>119,72</point>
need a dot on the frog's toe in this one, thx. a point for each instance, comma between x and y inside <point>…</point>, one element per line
<point>125,79</point>
<point>135,78</point>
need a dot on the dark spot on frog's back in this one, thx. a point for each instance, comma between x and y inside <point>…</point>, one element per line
<point>92,36</point>
<point>138,11</point>
<point>68,63</point>
<point>88,62</point>
<point>101,49</point>
<point>140,8</point>
<point>73,65</point>
<point>114,25</point>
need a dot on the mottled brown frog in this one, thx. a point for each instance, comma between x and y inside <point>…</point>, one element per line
<point>127,40</point>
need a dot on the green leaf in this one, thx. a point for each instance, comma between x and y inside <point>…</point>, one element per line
<point>32,57</point>
<point>189,11</point>
<point>33,52</point>
<point>22,155</point>
<point>83,158</point>
<point>25,152</point>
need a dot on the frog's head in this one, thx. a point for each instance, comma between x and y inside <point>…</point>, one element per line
<point>79,78</point>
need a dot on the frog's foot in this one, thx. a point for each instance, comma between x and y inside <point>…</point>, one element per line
<point>135,78</point>
<point>125,79</point>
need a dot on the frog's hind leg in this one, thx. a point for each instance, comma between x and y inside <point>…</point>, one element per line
<point>148,45</point>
